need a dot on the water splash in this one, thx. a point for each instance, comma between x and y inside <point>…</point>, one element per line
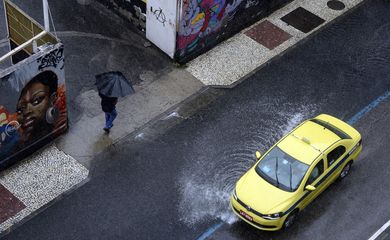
<point>206,185</point>
<point>293,122</point>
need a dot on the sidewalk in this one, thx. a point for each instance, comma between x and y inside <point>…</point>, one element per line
<point>86,137</point>
<point>233,60</point>
<point>160,89</point>
<point>38,181</point>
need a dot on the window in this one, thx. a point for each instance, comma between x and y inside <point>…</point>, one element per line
<point>332,128</point>
<point>281,170</point>
<point>317,171</point>
<point>335,154</point>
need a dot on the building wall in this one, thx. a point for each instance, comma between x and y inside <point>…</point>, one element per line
<point>205,23</point>
<point>202,23</point>
<point>134,10</point>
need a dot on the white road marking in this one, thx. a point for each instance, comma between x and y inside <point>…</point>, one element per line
<point>382,229</point>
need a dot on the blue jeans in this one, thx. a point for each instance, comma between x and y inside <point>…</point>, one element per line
<point>110,117</point>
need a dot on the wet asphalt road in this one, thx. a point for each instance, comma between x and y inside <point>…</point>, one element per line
<point>177,185</point>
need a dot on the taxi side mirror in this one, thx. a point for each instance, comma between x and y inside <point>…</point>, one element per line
<point>258,155</point>
<point>310,188</point>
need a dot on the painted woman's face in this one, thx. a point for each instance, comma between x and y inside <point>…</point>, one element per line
<point>32,107</point>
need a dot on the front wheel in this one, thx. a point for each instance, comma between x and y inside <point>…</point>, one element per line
<point>290,220</point>
<point>345,170</point>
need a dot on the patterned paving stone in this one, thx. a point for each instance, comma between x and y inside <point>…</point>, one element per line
<point>301,16</point>
<point>302,20</point>
<point>335,5</point>
<point>268,35</point>
<point>9,204</point>
<point>36,182</point>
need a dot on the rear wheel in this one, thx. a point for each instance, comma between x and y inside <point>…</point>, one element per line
<point>290,220</point>
<point>345,170</point>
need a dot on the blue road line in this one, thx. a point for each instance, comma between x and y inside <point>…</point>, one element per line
<point>351,121</point>
<point>368,108</point>
<point>210,231</point>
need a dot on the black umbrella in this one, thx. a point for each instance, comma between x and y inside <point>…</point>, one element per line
<point>113,84</point>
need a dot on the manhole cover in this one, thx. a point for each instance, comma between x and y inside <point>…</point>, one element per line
<point>336,5</point>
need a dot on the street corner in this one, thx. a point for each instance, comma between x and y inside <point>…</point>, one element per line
<point>34,183</point>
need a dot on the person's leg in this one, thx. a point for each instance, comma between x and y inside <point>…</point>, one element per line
<point>113,115</point>
<point>108,116</point>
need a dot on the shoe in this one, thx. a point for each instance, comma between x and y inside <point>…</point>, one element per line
<point>107,130</point>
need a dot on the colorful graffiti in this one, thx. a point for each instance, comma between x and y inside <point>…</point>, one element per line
<point>8,138</point>
<point>32,103</point>
<point>202,18</point>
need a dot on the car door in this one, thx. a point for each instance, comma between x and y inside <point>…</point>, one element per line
<point>335,157</point>
<point>315,178</point>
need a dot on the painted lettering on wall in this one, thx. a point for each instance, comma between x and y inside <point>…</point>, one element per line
<point>160,16</point>
<point>52,59</point>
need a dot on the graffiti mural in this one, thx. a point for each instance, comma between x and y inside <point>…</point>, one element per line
<point>204,23</point>
<point>32,104</point>
<point>200,24</point>
<point>202,18</point>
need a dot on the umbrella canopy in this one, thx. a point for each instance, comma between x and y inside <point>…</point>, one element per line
<point>113,84</point>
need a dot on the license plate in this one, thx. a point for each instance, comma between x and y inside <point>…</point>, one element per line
<point>246,216</point>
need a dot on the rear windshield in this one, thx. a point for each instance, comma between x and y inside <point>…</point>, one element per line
<point>332,128</point>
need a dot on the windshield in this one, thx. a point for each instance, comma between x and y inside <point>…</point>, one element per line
<point>281,170</point>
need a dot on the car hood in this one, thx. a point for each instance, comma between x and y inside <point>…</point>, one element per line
<point>260,195</point>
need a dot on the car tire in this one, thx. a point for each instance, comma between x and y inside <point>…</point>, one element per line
<point>346,170</point>
<point>290,220</point>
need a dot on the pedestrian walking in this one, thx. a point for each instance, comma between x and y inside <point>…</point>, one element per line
<point>109,109</point>
<point>112,85</point>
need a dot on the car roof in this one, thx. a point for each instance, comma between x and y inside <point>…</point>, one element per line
<point>308,141</point>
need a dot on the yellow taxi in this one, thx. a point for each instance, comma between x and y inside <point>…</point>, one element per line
<point>294,171</point>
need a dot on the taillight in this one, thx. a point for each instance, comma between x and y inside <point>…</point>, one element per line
<point>355,147</point>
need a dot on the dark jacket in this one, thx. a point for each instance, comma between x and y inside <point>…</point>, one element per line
<point>108,103</point>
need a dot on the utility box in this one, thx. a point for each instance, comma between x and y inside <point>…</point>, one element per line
<point>32,103</point>
<point>161,24</point>
<point>184,29</point>
<point>32,90</point>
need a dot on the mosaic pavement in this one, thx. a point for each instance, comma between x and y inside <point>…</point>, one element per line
<point>34,183</point>
<point>248,50</point>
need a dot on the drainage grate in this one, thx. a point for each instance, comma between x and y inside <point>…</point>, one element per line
<point>335,5</point>
<point>303,20</point>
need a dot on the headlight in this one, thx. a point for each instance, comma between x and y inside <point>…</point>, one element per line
<point>273,216</point>
<point>235,194</point>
